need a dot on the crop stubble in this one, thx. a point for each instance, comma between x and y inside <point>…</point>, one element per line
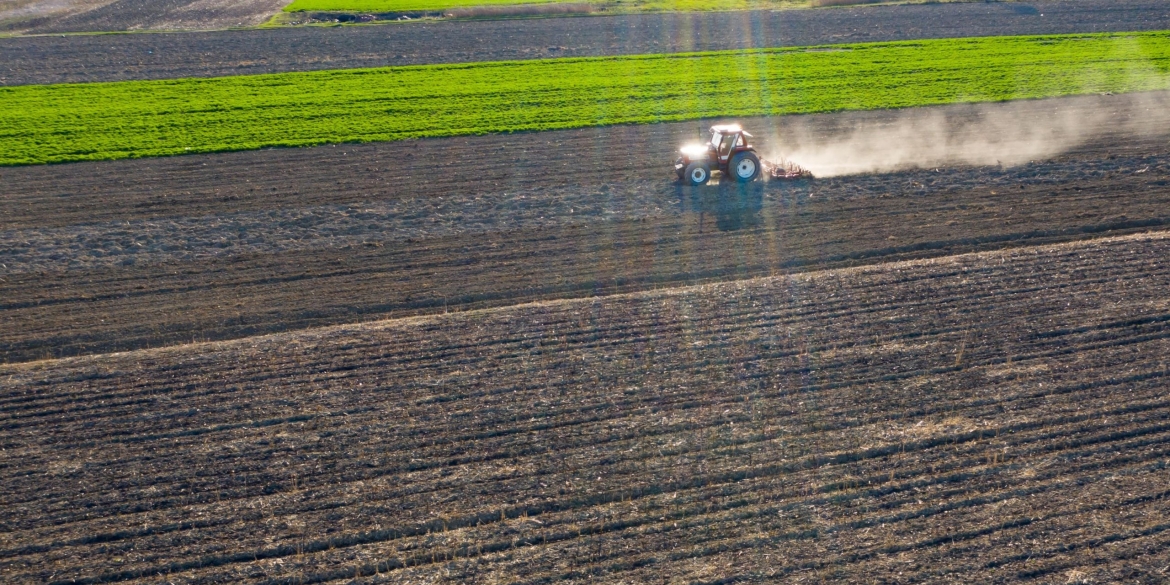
<point>998,415</point>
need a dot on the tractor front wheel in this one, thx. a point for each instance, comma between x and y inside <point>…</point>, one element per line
<point>745,167</point>
<point>697,173</point>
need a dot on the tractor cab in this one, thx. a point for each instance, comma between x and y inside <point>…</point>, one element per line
<point>728,152</point>
<point>728,139</point>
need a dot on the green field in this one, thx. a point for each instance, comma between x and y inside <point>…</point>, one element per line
<point>42,124</point>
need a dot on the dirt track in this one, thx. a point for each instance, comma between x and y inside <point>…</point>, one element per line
<point>115,57</point>
<point>996,417</point>
<point>113,256</point>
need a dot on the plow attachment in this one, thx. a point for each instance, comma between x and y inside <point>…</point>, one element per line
<point>783,169</point>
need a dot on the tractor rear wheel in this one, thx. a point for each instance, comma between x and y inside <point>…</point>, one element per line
<point>697,173</point>
<point>745,167</point>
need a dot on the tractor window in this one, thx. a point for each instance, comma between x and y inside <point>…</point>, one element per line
<point>716,138</point>
<point>728,142</point>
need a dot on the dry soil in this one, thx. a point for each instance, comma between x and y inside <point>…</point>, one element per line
<point>77,58</point>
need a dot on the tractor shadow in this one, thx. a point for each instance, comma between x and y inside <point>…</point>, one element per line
<point>727,206</point>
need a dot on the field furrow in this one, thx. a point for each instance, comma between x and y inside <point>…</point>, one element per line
<point>125,255</point>
<point>87,58</point>
<point>992,414</point>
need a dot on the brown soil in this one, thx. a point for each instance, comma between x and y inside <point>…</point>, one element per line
<point>41,17</point>
<point>22,14</point>
<point>642,230</point>
<point>992,417</point>
<point>79,58</point>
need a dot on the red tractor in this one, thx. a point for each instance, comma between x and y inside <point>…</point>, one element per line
<point>728,151</point>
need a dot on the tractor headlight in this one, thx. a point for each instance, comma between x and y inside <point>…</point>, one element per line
<point>694,151</point>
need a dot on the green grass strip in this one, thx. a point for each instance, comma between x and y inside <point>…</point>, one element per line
<point>43,124</point>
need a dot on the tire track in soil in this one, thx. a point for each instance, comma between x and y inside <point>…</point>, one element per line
<point>91,58</point>
<point>1082,386</point>
<point>565,445</point>
<point>144,434</point>
<point>1057,338</point>
<point>814,562</point>
<point>705,511</point>
<point>42,401</point>
<point>321,548</point>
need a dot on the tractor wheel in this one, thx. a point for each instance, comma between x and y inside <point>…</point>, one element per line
<point>745,167</point>
<point>697,173</point>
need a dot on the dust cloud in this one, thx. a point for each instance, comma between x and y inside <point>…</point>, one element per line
<point>1006,134</point>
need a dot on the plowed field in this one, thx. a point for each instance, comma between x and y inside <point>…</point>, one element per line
<point>82,58</point>
<point>535,358</point>
<point>999,416</point>
<point>101,257</point>
<point>39,17</point>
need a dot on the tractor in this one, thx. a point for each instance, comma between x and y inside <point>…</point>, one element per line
<point>729,152</point>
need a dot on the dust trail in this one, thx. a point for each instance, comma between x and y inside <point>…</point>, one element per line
<point>1006,134</point>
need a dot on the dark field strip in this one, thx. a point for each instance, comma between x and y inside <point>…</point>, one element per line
<point>999,415</point>
<point>85,58</point>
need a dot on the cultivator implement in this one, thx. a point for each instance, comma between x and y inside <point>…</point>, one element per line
<point>784,169</point>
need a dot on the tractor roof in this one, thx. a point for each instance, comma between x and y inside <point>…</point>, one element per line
<point>728,129</point>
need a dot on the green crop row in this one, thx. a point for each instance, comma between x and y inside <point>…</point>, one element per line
<point>41,124</point>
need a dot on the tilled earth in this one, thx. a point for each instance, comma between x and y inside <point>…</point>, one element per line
<point>41,17</point>
<point>80,58</point>
<point>99,257</point>
<point>949,373</point>
<point>996,417</point>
